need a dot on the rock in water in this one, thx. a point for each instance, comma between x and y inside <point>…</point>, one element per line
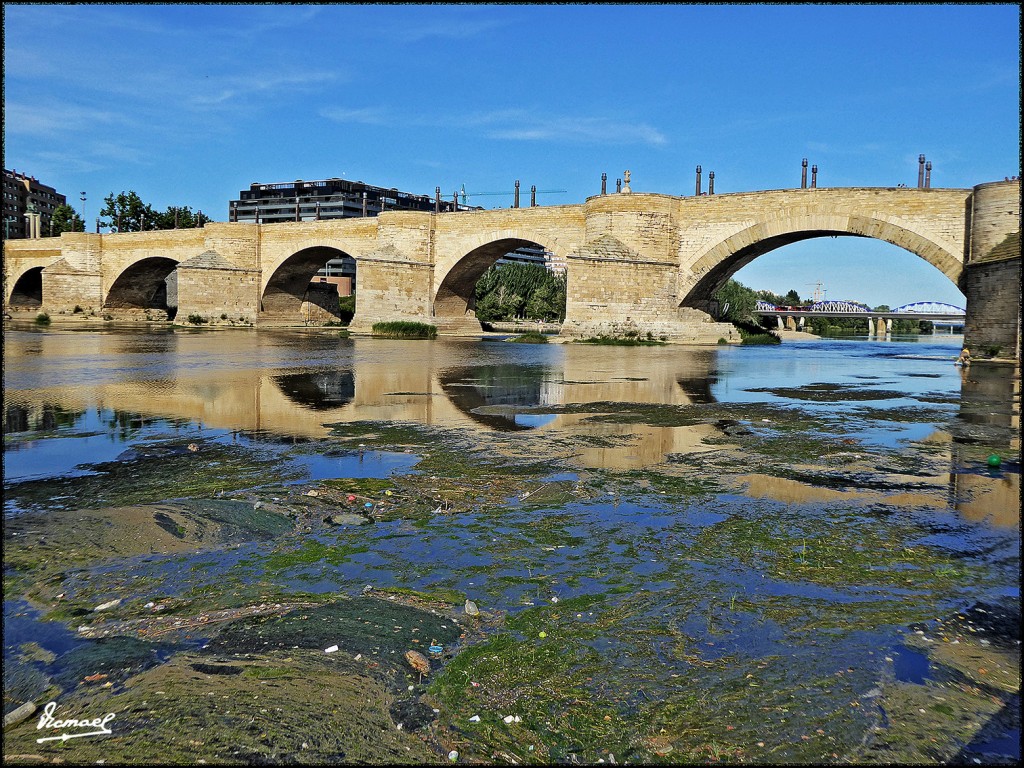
<point>471,608</point>
<point>418,662</point>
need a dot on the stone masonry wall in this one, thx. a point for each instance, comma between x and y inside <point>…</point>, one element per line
<point>992,277</point>
<point>993,300</point>
<point>211,293</point>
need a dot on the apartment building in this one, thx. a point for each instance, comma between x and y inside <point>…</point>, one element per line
<point>28,206</point>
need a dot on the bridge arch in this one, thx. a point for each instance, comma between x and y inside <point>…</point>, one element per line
<point>457,281</point>
<point>717,263</point>
<point>148,284</point>
<point>287,288</point>
<point>27,291</point>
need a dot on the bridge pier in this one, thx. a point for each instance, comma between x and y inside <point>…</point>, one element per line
<point>991,279</point>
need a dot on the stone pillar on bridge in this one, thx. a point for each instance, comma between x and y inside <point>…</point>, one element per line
<point>790,323</point>
<point>623,280</point>
<point>75,279</point>
<point>880,327</point>
<point>991,279</point>
<point>781,325</point>
<point>888,325</point>
<point>210,286</point>
<point>395,278</point>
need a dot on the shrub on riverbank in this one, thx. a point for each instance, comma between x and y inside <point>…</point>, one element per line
<point>401,329</point>
<point>621,341</point>
<point>530,338</point>
<point>751,334</point>
<point>42,319</point>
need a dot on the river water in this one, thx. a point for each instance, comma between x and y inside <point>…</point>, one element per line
<point>756,554</point>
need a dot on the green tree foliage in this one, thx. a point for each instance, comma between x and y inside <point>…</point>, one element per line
<point>736,303</point>
<point>126,212</point>
<point>65,219</point>
<point>520,291</point>
<point>791,299</point>
<point>180,217</point>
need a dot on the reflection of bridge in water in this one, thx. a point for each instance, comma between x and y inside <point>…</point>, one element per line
<point>273,385</point>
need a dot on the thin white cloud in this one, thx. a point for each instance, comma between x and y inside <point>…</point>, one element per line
<point>46,121</point>
<point>590,130</point>
<point>463,29</point>
<point>233,88</point>
<point>513,125</point>
<point>364,115</point>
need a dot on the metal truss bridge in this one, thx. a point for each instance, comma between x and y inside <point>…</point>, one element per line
<point>918,310</point>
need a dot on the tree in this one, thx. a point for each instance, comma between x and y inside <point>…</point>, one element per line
<point>737,302</point>
<point>127,213</point>
<point>180,217</point>
<point>792,298</point>
<point>520,290</point>
<point>64,219</point>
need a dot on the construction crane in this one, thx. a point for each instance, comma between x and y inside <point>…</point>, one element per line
<point>819,294</point>
<point>464,194</point>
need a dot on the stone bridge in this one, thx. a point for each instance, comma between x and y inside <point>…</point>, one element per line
<point>636,262</point>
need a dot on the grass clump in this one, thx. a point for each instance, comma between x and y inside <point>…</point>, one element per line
<point>197,319</point>
<point>530,338</point>
<point>42,319</point>
<point>751,334</point>
<point>402,329</point>
<point>622,341</point>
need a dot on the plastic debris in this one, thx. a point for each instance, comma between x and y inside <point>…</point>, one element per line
<point>475,719</point>
<point>994,460</point>
<point>368,505</point>
<point>332,649</point>
<point>453,755</point>
<point>512,719</point>
<point>542,634</point>
<point>105,606</point>
<point>471,608</point>
<point>436,649</point>
<point>350,498</point>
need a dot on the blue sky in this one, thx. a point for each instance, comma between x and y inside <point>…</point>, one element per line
<point>189,104</point>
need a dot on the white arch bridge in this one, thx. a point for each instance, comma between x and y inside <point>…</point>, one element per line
<point>918,310</point>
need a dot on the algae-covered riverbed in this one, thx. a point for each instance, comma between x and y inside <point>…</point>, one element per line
<point>290,547</point>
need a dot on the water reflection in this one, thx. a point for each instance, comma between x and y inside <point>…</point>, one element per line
<point>296,385</point>
<point>988,424</point>
<point>510,385</point>
<point>319,390</point>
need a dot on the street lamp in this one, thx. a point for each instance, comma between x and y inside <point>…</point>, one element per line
<point>82,198</point>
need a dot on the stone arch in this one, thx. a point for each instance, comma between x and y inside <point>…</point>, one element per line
<point>717,263</point>
<point>287,289</point>
<point>147,284</point>
<point>27,291</point>
<point>454,295</point>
